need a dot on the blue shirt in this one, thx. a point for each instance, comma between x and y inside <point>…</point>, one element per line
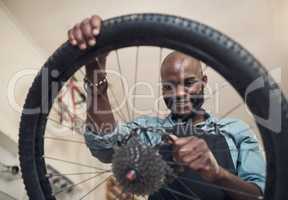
<point>247,157</point>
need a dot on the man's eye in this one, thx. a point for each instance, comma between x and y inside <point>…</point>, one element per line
<point>190,83</point>
<point>167,87</point>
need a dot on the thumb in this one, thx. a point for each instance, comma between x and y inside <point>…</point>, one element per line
<point>172,139</point>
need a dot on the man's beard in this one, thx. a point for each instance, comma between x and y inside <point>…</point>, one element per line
<point>197,100</point>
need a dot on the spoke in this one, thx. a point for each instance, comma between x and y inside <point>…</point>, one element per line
<point>74,185</point>
<point>119,113</point>
<point>248,128</point>
<point>76,117</point>
<point>71,114</point>
<point>75,163</point>
<point>122,84</point>
<point>222,188</point>
<point>230,111</point>
<point>64,140</point>
<point>215,91</point>
<point>172,194</point>
<point>221,87</point>
<point>93,189</point>
<point>91,120</point>
<point>159,83</point>
<point>230,149</point>
<point>178,193</point>
<point>49,175</point>
<point>185,186</point>
<point>57,122</point>
<point>160,195</point>
<point>122,116</point>
<point>175,197</point>
<point>217,150</point>
<point>135,80</point>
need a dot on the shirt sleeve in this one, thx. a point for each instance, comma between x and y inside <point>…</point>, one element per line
<point>251,165</point>
<point>101,146</point>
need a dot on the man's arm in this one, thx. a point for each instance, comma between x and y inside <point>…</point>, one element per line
<point>99,113</point>
<point>195,154</point>
<point>249,190</point>
<point>100,119</point>
<point>250,164</point>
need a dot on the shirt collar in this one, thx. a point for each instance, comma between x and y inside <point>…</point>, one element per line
<point>210,120</point>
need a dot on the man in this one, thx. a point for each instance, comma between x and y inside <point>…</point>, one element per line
<point>226,156</point>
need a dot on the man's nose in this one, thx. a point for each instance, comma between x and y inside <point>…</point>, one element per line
<point>180,90</point>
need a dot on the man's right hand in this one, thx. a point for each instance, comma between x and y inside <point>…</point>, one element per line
<point>85,33</point>
<point>114,191</point>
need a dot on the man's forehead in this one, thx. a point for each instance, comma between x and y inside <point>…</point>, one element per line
<point>180,65</point>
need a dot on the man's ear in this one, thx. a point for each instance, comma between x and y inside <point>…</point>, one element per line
<point>205,79</point>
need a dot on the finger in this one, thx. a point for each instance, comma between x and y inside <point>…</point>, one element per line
<point>71,38</point>
<point>111,182</point>
<point>191,150</point>
<point>177,147</point>
<point>199,164</point>
<point>111,196</point>
<point>79,37</point>
<point>116,190</point>
<point>95,23</point>
<point>192,147</point>
<point>86,30</point>
<point>185,146</point>
<point>172,138</point>
<point>126,196</point>
<point>189,158</point>
<point>184,140</point>
<point>187,155</point>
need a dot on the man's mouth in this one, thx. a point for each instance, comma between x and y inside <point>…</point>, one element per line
<point>181,103</point>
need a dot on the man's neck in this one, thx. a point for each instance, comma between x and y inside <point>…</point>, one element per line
<point>196,118</point>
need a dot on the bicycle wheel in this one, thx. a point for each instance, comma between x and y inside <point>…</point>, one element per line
<point>224,55</point>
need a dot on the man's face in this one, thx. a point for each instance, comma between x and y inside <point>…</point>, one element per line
<point>182,83</point>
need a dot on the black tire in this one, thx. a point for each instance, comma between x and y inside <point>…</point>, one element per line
<point>227,57</point>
